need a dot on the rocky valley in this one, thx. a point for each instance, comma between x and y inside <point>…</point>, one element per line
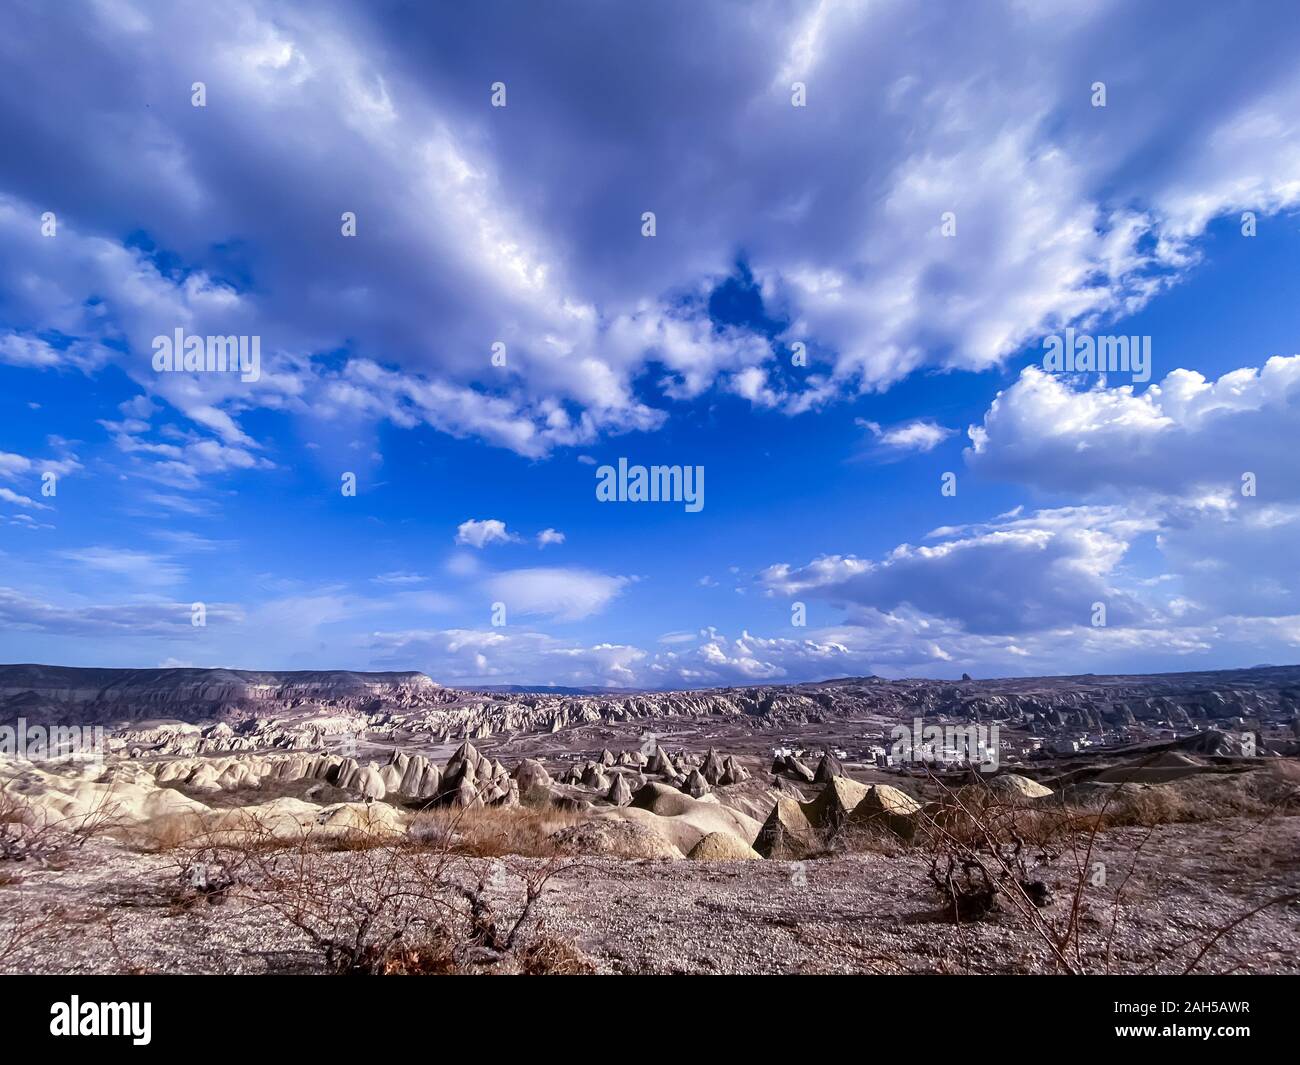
<point>808,838</point>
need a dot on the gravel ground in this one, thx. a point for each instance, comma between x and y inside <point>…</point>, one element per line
<point>110,910</point>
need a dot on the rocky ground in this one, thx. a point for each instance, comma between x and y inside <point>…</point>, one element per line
<point>868,913</point>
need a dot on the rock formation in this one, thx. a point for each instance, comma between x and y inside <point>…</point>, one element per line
<point>828,812</point>
<point>827,769</point>
<point>695,785</point>
<point>733,772</point>
<point>786,835</point>
<point>722,847</point>
<point>620,793</point>
<point>712,767</point>
<point>222,710</point>
<point>886,807</point>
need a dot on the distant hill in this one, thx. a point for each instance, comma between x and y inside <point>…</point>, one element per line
<point>68,694</point>
<point>189,693</point>
<point>551,689</point>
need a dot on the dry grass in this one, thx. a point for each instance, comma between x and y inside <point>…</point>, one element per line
<point>492,831</point>
<point>435,956</point>
<point>162,835</point>
<point>477,832</point>
<point>1204,798</point>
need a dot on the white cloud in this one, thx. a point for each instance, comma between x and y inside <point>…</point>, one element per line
<point>10,496</point>
<point>1183,436</point>
<point>479,532</point>
<point>471,656</point>
<point>471,237</point>
<point>920,434</point>
<point>560,594</point>
<point>135,567</point>
<point>549,536</point>
<point>1014,577</point>
<point>400,578</point>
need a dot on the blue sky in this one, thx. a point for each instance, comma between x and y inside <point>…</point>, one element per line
<point>127,496</point>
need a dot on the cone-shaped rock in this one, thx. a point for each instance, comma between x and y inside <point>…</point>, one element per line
<point>696,786</point>
<point>430,782</point>
<point>346,773</point>
<point>370,782</point>
<point>733,772</point>
<point>620,794</point>
<point>828,769</point>
<point>466,754</point>
<point>594,777</point>
<point>465,795</point>
<point>463,767</point>
<point>786,835</point>
<point>530,773</point>
<point>712,767</point>
<point>662,764</point>
<point>799,771</point>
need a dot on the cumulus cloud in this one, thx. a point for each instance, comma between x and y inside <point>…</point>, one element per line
<point>479,532</point>
<point>1183,436</point>
<point>549,536</point>
<point>1018,576</point>
<point>14,466</point>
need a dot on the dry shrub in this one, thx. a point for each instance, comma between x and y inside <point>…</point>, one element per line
<point>31,833</point>
<point>994,854</point>
<point>1147,808</point>
<point>21,927</point>
<point>369,903</point>
<point>435,956</point>
<point>873,837</point>
<point>548,956</point>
